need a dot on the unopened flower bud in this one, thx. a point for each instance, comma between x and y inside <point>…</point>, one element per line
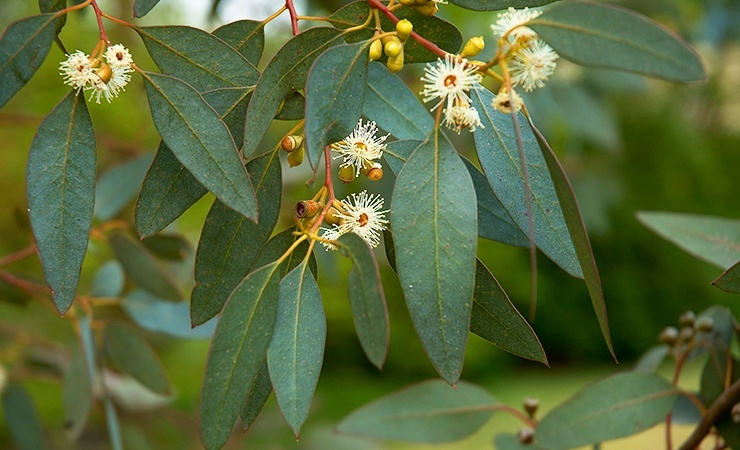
<point>291,142</point>
<point>347,173</point>
<point>404,28</point>
<point>705,324</point>
<point>735,413</point>
<point>686,334</point>
<point>376,50</point>
<point>395,64</point>
<point>295,158</point>
<point>307,209</point>
<point>531,405</point>
<point>474,46</point>
<point>393,49</point>
<point>332,217</point>
<point>669,335</point>
<point>526,435</point>
<point>407,2</point>
<point>687,319</point>
<point>427,9</point>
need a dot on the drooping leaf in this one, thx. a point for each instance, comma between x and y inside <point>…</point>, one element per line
<point>715,240</point>
<point>109,280</point>
<point>603,35</point>
<point>23,48</point>
<point>161,316</point>
<point>427,412</point>
<point>22,418</point>
<point>245,36</point>
<point>231,105</point>
<point>77,395</point>
<point>119,185</point>
<point>142,7</point>
<point>652,359</point>
<point>201,141</point>
<point>498,154</point>
<point>229,242</point>
<point>170,246</point>
<point>286,72</point>
<point>132,354</point>
<point>277,246</point>
<point>258,394</point>
<point>52,6</point>
<point>61,193</point>
<point>495,5</point>
<point>367,299</point>
<point>141,267</point>
<point>434,221</point>
<point>335,92</point>
<point>628,403</point>
<point>496,319</point>
<point>729,281</point>
<point>296,352</point>
<point>390,103</point>
<point>237,352</point>
<point>200,59</point>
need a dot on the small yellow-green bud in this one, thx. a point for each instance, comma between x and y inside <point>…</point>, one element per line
<point>474,46</point>
<point>669,335</point>
<point>347,173</point>
<point>705,324</point>
<point>395,64</point>
<point>687,319</point>
<point>295,158</point>
<point>407,2</point>
<point>393,49</point>
<point>427,9</point>
<point>404,28</point>
<point>376,50</point>
<point>291,142</point>
<point>331,217</point>
<point>686,334</point>
<point>531,405</point>
<point>307,209</point>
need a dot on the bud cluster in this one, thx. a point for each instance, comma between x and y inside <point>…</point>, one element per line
<point>104,74</point>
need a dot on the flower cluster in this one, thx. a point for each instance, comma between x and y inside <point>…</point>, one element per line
<point>363,215</point>
<point>102,78</point>
<point>361,147</point>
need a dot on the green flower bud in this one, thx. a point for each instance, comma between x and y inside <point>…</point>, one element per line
<point>474,46</point>
<point>407,2</point>
<point>705,324</point>
<point>687,319</point>
<point>331,218</point>
<point>395,64</point>
<point>404,29</point>
<point>393,49</point>
<point>376,50</point>
<point>669,335</point>
<point>295,158</point>
<point>531,405</point>
<point>427,9</point>
<point>347,173</point>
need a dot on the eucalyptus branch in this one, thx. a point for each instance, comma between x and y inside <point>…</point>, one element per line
<point>431,46</point>
<point>724,402</point>
<point>99,18</point>
<point>293,16</point>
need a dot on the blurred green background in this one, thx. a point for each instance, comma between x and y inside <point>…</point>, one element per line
<point>628,144</point>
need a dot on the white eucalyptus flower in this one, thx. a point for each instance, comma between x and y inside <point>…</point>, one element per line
<point>531,66</point>
<point>77,70</point>
<point>511,23</point>
<point>361,147</point>
<point>462,116</point>
<point>364,217</point>
<point>448,81</point>
<point>118,55</point>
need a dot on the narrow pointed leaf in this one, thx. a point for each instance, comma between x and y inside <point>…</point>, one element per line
<point>293,107</point>
<point>119,185</point>
<point>652,359</point>
<point>113,424</point>
<point>495,5</point>
<point>160,316</point>
<point>237,352</point>
<point>258,394</point>
<point>23,48</point>
<point>77,396</point>
<point>22,419</point>
<point>277,246</point>
<point>335,92</point>
<point>202,60</point>
<point>729,281</point>
<point>286,72</point>
<point>496,319</point>
<point>231,105</point>
<point>174,247</point>
<point>132,354</point>
<point>61,194</point>
<point>367,299</point>
<point>142,7</point>
<point>499,157</point>
<point>141,267</point>
<point>297,349</point>
<point>52,6</point>
<point>434,221</point>
<point>602,35</point>
<point>618,406</point>
<point>201,141</point>
<point>230,242</point>
<point>430,412</point>
<point>245,36</point>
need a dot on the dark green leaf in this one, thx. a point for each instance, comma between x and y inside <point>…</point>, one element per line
<point>22,419</point>
<point>61,193</point>
<point>296,352</point>
<point>142,7</point>
<point>628,403</point>
<point>496,319</point>
<point>167,191</point>
<point>729,281</point>
<point>715,374</point>
<point>427,412</point>
<point>367,299</point>
<point>435,230</point>
<point>293,107</point>
<point>238,350</point>
<point>716,240</point>
<point>685,411</point>
<point>202,60</point>
<point>141,267</point>
<point>651,360</point>
<point>245,36</point>
<point>201,141</point>
<point>390,103</point>
<point>229,242</point>
<point>602,35</point>
<point>277,246</point>
<point>495,5</point>
<point>119,185</point>
<point>719,338</point>
<point>168,246</point>
<point>398,152</point>
<point>88,345</point>
<point>23,47</point>
<point>286,72</point>
<point>109,280</point>
<point>52,6</point>
<point>77,395</point>
<point>132,354</point>
<point>231,105</point>
<point>172,318</point>
<point>499,156</point>
<point>257,396</point>
<point>335,92</point>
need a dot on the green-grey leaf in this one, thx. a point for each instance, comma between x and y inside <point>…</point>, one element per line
<point>499,157</point>
<point>23,48</point>
<point>170,246</point>
<point>141,267</point>
<point>61,194</point>
<point>277,246</point>
<point>159,316</point>
<point>197,57</point>
<point>109,280</point>
<point>52,6</point>
<point>245,36</point>
<point>22,418</point>
<point>237,351</point>
<point>231,105</point>
<point>113,424</point>
<point>729,281</point>
<point>715,240</point>
<point>427,412</point>
<point>142,7</point>
<point>293,107</point>
<point>652,359</point>
<point>367,299</point>
<point>229,242</point>
<point>258,394</point>
<point>296,352</point>
<point>392,105</point>
<point>201,141</point>
<point>434,221</point>
<point>77,395</point>
<point>602,35</point>
<point>628,403</point>
<point>286,72</point>
<point>496,319</point>
<point>495,5</point>
<point>335,92</point>
<point>132,354</point>
<point>119,185</point>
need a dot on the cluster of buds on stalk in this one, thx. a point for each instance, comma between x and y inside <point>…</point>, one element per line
<point>104,73</point>
<point>293,145</point>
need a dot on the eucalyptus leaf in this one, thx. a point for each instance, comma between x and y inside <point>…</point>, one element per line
<point>113,424</point>
<point>729,281</point>
<point>142,7</point>
<point>434,221</point>
<point>52,6</point>
<point>22,418</point>
<point>495,5</point>
<point>77,395</point>
<point>245,36</point>
<point>430,412</point>
<point>293,107</point>
<point>141,267</point>
<point>652,359</point>
<point>277,246</point>
<point>132,354</point>
<point>119,185</point>
<point>602,35</point>
<point>231,105</point>
<point>258,394</point>
<point>161,316</point>
<point>109,280</point>
<point>61,193</point>
<point>171,246</point>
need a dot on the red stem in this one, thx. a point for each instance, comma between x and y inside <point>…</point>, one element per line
<point>17,256</point>
<point>431,46</point>
<point>293,16</point>
<point>99,18</point>
<point>329,184</point>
